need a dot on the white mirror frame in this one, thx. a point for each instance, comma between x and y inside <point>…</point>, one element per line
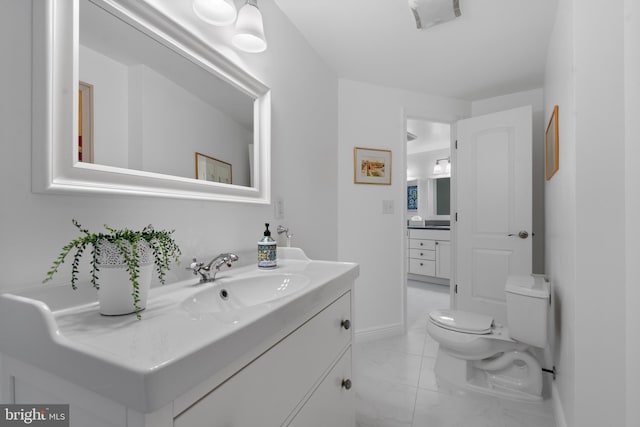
<point>54,168</point>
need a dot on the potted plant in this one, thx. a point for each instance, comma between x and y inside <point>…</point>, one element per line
<point>121,264</point>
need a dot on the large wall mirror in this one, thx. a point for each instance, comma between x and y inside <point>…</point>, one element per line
<point>125,98</point>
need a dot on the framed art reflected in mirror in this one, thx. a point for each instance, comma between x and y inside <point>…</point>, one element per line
<point>551,145</point>
<point>211,169</point>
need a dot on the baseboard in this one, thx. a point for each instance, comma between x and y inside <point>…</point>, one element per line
<point>558,412</point>
<point>379,332</point>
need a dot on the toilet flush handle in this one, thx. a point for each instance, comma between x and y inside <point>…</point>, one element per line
<point>522,234</point>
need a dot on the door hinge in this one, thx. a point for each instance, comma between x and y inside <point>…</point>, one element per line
<point>456,144</point>
<point>456,216</point>
<point>455,289</point>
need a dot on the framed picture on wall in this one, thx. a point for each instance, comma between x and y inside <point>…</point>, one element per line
<point>371,166</point>
<point>551,145</point>
<point>211,169</point>
<point>412,197</point>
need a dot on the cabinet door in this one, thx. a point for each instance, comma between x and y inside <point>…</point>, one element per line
<point>332,403</point>
<point>268,390</point>
<point>443,259</point>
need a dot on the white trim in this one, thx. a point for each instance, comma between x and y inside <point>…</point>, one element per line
<point>558,411</point>
<point>54,87</point>
<point>379,332</point>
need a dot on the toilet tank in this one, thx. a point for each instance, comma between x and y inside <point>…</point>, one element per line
<point>528,309</point>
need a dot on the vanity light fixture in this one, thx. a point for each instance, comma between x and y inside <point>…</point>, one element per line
<point>249,35</point>
<point>438,169</point>
<point>215,12</point>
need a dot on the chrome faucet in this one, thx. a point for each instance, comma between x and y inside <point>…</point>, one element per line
<point>282,229</point>
<point>204,270</point>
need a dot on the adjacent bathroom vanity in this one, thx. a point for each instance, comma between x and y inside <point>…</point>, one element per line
<point>429,253</point>
<point>275,351</point>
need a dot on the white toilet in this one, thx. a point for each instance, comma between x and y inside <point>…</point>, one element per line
<point>476,353</point>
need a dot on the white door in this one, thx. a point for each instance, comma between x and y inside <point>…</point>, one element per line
<point>493,228</point>
<point>443,259</point>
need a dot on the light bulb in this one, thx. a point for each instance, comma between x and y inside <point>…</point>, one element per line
<point>215,12</point>
<point>437,169</point>
<point>249,35</point>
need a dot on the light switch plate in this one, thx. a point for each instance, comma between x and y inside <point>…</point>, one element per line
<point>387,207</point>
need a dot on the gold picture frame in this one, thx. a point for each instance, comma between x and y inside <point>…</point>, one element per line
<point>551,145</point>
<point>211,169</point>
<point>371,166</point>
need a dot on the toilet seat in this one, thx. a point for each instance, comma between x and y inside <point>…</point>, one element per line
<point>462,321</point>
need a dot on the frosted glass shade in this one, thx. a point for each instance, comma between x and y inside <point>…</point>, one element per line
<point>437,169</point>
<point>249,35</point>
<point>215,12</point>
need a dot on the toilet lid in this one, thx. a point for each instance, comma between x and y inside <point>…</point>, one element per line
<point>462,321</point>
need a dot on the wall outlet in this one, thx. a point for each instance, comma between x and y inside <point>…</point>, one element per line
<point>387,207</point>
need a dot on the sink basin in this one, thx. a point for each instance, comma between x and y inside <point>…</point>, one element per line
<point>231,295</point>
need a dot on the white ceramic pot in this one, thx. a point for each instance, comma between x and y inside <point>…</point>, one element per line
<point>116,291</point>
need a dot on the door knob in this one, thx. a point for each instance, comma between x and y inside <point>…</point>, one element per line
<point>346,324</point>
<point>346,384</point>
<point>522,234</point>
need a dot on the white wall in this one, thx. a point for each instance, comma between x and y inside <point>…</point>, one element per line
<point>535,99</point>
<point>175,124</point>
<point>110,80</point>
<point>304,138</point>
<point>374,117</point>
<point>590,285</point>
<point>560,205</point>
<point>632,155</point>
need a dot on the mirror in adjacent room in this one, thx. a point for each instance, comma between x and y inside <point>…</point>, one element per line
<point>429,144</point>
<point>150,96</point>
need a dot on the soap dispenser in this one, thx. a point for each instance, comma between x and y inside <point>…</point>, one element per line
<point>267,250</point>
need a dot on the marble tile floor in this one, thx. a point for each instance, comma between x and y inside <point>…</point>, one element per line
<point>396,387</point>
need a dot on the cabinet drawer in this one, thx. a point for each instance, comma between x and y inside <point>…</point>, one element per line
<point>422,244</point>
<point>424,267</point>
<point>422,254</point>
<point>331,403</point>
<point>273,384</point>
<point>429,234</point>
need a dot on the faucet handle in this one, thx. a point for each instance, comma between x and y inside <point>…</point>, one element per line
<point>229,258</point>
<point>195,266</point>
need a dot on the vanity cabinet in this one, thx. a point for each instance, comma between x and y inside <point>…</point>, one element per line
<point>429,253</point>
<point>302,376</point>
<point>284,362</point>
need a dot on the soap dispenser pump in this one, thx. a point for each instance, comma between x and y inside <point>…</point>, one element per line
<point>267,250</point>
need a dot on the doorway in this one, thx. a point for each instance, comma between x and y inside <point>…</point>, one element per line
<point>427,211</point>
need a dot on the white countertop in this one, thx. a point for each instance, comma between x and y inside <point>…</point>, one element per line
<point>148,363</point>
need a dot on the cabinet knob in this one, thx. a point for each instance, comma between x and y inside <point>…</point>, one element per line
<point>346,323</point>
<point>421,244</point>
<point>421,264</point>
<point>346,384</point>
<point>421,254</point>
<point>436,243</point>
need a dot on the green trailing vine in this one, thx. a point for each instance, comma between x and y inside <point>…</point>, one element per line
<point>163,247</point>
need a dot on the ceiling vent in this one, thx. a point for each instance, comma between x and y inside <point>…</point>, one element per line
<point>433,12</point>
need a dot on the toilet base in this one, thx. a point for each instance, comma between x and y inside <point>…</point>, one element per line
<point>514,375</point>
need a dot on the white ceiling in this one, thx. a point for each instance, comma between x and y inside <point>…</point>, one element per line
<point>496,47</point>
